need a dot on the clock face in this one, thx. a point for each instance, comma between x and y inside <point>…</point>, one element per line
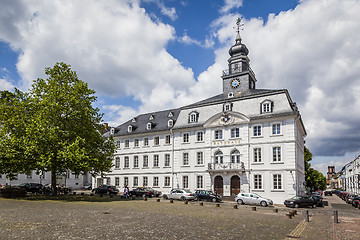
<point>235,83</point>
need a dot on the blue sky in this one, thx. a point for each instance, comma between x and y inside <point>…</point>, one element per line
<point>149,55</point>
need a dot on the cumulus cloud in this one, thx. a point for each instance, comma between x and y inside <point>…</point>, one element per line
<point>170,12</point>
<point>230,4</point>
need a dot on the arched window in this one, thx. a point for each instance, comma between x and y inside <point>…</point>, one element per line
<point>148,126</point>
<point>130,129</point>
<point>170,123</point>
<point>235,156</point>
<point>218,157</point>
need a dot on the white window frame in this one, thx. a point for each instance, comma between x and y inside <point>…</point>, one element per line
<point>235,156</point>
<point>156,160</point>
<point>136,142</point>
<point>117,162</point>
<point>199,158</point>
<point>219,157</point>
<point>276,182</point>
<point>200,136</point>
<point>127,143</point>
<point>258,181</point>
<point>185,159</point>
<point>145,181</point>
<point>156,141</point>
<point>117,181</point>
<point>218,134</point>
<point>130,128</point>
<point>170,123</point>
<point>167,181</point>
<point>136,161</point>
<point>146,142</point>
<point>126,181</point>
<point>193,117</point>
<point>276,154</point>
<point>155,181</point>
<point>235,132</point>
<point>186,137</point>
<point>168,139</point>
<point>117,143</point>
<point>199,182</point>
<point>257,130</point>
<point>167,160</point>
<point>148,126</point>
<point>277,127</point>
<point>126,162</point>
<point>145,160</point>
<point>136,181</point>
<point>185,181</point>
<point>257,155</point>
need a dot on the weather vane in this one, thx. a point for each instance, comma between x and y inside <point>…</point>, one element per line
<point>239,25</point>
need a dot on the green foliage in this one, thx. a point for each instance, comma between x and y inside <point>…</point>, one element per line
<point>13,192</point>
<point>53,127</point>
<point>315,180</point>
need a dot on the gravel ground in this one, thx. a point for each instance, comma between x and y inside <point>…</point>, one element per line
<point>138,219</point>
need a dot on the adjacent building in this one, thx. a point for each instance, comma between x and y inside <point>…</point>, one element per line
<point>350,176</point>
<point>243,140</point>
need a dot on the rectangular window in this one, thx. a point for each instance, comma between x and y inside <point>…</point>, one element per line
<point>185,182</point>
<point>257,181</point>
<point>136,142</point>
<point>117,162</point>
<point>167,182</point>
<point>257,131</point>
<point>156,181</point>
<point>126,181</point>
<point>200,136</point>
<point>29,176</point>
<point>136,181</point>
<point>146,142</point>
<point>257,155</point>
<point>127,143</point>
<point>167,160</point>
<point>277,181</point>
<point>277,154</point>
<point>117,181</point>
<point>167,139</point>
<point>108,181</point>
<point>156,141</point>
<point>266,107</point>
<point>76,176</point>
<point>145,161</point>
<point>235,133</point>
<point>126,162</point>
<point>276,129</point>
<point>185,137</point>
<point>145,181</point>
<point>200,158</point>
<point>185,159</point>
<point>218,134</point>
<point>117,144</point>
<point>156,160</point>
<point>199,181</point>
<point>136,161</point>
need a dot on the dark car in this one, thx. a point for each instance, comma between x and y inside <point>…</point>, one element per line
<point>32,187</point>
<point>144,192</point>
<point>319,201</point>
<point>205,195</point>
<point>300,201</point>
<point>106,189</point>
<point>350,198</point>
<point>356,202</point>
<point>328,193</point>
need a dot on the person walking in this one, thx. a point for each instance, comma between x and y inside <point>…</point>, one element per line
<point>126,192</point>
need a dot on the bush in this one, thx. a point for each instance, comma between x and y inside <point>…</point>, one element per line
<point>13,192</point>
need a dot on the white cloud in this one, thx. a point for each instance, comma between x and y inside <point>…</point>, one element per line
<point>230,4</point>
<point>170,12</point>
<point>119,114</point>
<point>5,85</point>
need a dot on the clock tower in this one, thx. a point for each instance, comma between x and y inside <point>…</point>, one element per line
<point>239,77</point>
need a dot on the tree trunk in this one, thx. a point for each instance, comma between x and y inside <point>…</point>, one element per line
<point>53,182</point>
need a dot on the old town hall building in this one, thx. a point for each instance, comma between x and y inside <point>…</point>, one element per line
<point>242,140</point>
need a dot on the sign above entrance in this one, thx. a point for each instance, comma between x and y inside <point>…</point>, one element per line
<point>229,142</point>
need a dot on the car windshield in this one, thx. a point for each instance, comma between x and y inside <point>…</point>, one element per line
<point>296,198</point>
<point>187,191</point>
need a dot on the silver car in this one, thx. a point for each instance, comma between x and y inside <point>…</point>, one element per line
<point>252,199</point>
<point>179,194</point>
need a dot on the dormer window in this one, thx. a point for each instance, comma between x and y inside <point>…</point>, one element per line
<point>266,106</point>
<point>148,126</point>
<point>133,120</point>
<point>230,95</point>
<point>193,117</point>
<point>170,114</point>
<point>151,117</point>
<point>112,131</point>
<point>130,128</point>
<point>170,123</point>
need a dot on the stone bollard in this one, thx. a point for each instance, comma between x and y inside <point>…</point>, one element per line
<point>292,213</point>
<point>186,201</point>
<point>145,198</point>
<point>336,217</point>
<point>295,212</point>
<point>171,201</point>
<point>253,208</point>
<point>235,206</point>
<point>201,204</point>
<point>111,195</point>
<point>158,200</point>
<point>82,194</point>
<point>288,216</point>
<point>218,205</point>
<point>275,210</point>
<point>307,216</point>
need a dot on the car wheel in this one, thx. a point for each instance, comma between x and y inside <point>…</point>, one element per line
<point>196,198</point>
<point>240,202</point>
<point>263,204</point>
<point>314,205</point>
<point>296,206</point>
<point>182,198</point>
<point>165,197</point>
<point>213,199</point>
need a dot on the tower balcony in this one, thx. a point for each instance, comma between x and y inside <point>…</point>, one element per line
<point>227,72</point>
<point>226,167</point>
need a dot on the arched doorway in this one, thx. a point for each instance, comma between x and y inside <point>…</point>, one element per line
<point>219,185</point>
<point>235,185</point>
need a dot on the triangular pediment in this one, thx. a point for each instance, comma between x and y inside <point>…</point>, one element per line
<point>228,118</point>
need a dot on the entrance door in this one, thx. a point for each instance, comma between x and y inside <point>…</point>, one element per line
<point>235,185</point>
<point>219,185</point>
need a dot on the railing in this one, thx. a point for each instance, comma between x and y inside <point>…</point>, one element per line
<point>226,166</point>
<point>226,72</point>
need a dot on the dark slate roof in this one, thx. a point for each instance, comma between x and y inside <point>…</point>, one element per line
<point>221,97</point>
<point>159,122</point>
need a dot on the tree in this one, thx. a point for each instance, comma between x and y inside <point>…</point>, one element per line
<point>61,130</point>
<point>315,180</point>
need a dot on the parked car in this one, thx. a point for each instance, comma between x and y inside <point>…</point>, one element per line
<point>328,193</point>
<point>350,198</point>
<point>144,192</point>
<point>179,194</point>
<point>252,199</point>
<point>32,187</point>
<point>300,201</point>
<point>106,189</point>
<point>356,202</point>
<point>87,186</point>
<point>61,189</point>
<point>205,195</point>
<point>319,201</point>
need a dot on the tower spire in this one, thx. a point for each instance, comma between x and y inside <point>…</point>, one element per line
<point>238,27</point>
